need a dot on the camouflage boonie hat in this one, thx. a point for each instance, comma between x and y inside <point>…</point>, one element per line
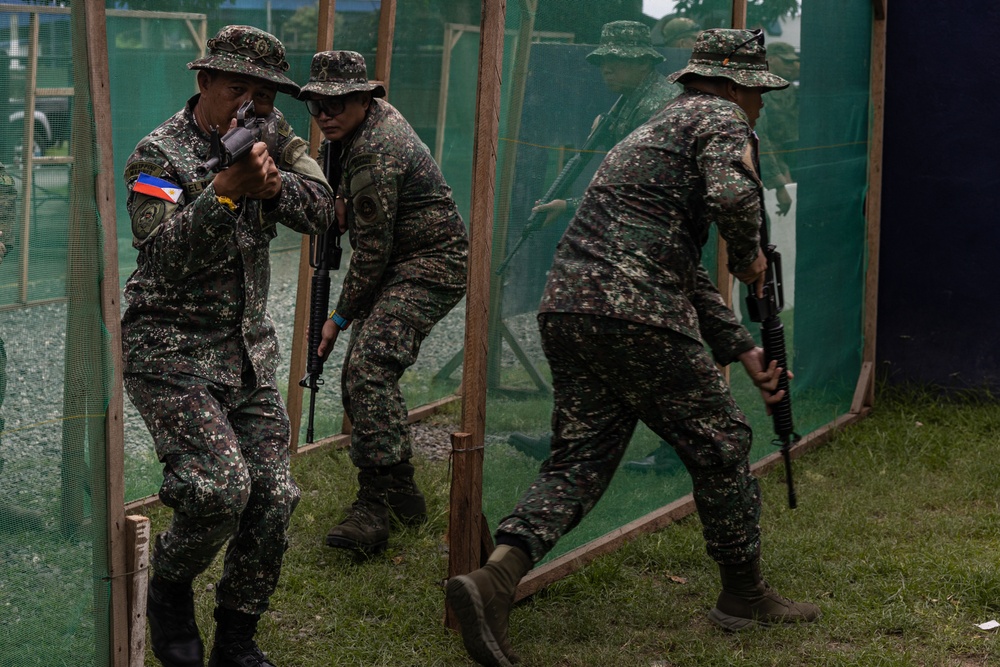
<point>335,73</point>
<point>624,39</point>
<point>243,49</point>
<point>737,55</point>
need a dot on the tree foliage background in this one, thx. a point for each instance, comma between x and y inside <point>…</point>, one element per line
<point>759,12</point>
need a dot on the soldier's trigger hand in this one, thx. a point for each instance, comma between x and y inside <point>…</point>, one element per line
<point>330,333</point>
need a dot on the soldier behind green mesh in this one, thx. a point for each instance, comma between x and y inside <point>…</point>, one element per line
<point>11,516</point>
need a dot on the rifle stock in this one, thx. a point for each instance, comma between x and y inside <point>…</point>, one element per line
<point>324,256</point>
<point>570,172</point>
<point>765,310</point>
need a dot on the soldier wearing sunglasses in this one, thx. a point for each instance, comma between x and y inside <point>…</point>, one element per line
<point>407,271</point>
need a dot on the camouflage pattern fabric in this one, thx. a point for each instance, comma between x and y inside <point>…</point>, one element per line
<point>607,374</point>
<point>641,104</point>
<point>737,55</point>
<point>200,352</point>
<point>651,95</point>
<point>336,73</point>
<point>624,39</point>
<point>633,249</point>
<point>410,249</point>
<point>197,301</point>
<point>226,475</point>
<point>244,49</point>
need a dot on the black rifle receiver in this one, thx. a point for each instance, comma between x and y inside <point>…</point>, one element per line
<point>235,144</point>
<point>597,139</point>
<point>324,256</point>
<point>765,310</point>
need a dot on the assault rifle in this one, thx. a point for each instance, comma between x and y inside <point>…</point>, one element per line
<point>324,256</point>
<point>570,172</point>
<point>235,144</point>
<point>765,309</point>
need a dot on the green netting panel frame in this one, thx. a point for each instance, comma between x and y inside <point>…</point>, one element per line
<point>55,584</point>
<point>822,240</point>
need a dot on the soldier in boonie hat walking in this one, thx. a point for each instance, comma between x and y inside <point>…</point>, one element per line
<point>200,350</point>
<point>625,320</point>
<point>407,271</point>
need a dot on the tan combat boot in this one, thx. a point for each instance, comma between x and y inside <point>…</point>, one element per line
<point>747,601</point>
<point>482,600</point>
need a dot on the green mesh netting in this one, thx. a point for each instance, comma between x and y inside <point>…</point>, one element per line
<point>53,591</point>
<point>54,351</point>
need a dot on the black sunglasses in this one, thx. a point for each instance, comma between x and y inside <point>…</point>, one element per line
<point>331,106</point>
<point>758,35</point>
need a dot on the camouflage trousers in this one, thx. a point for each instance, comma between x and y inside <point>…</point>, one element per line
<point>609,374</point>
<point>381,347</point>
<point>225,455</point>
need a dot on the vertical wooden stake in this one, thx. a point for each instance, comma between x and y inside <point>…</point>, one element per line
<point>137,536</point>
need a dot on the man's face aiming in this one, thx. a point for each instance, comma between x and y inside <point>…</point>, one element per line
<point>222,93</point>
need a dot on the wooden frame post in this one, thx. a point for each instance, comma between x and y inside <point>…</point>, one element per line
<point>873,202</point>
<point>464,554</point>
<point>93,183</point>
<point>300,326</point>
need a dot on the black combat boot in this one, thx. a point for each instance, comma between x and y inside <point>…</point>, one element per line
<point>234,645</point>
<point>482,600</point>
<point>365,530</point>
<point>404,498</point>
<point>173,632</point>
<point>747,601</point>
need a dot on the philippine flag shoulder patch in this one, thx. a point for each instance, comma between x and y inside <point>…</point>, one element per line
<point>157,187</point>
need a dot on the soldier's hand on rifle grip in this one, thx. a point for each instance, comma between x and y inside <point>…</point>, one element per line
<point>256,176</point>
<point>330,333</point>
<point>764,377</point>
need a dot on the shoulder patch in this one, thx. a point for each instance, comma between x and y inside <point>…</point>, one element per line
<point>148,217</point>
<point>293,151</point>
<point>362,161</point>
<point>133,170</point>
<point>365,207</point>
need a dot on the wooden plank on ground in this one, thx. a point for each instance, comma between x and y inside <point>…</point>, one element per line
<point>137,532</point>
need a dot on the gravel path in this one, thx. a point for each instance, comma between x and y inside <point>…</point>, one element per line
<point>35,338</point>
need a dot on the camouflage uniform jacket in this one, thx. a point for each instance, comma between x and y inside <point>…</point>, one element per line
<point>197,301</point>
<point>403,223</point>
<point>651,95</point>
<point>633,249</point>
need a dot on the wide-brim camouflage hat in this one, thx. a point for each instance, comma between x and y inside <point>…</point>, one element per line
<point>244,49</point>
<point>335,73</point>
<point>738,55</point>
<point>624,39</point>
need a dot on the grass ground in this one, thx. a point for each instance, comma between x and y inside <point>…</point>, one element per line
<point>896,537</point>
